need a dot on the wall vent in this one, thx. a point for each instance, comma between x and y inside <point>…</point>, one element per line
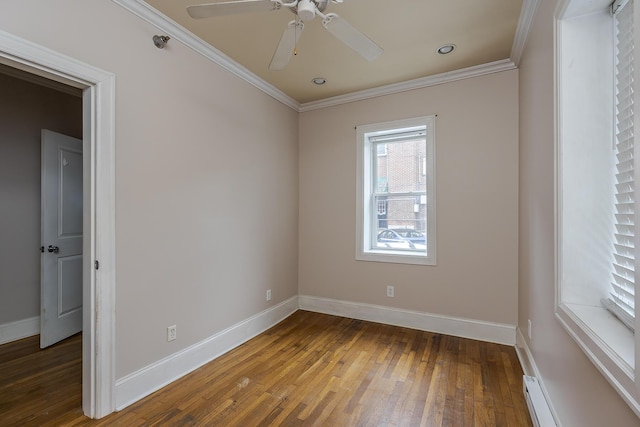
<point>538,406</point>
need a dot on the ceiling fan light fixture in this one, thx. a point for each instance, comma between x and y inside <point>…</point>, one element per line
<point>306,10</point>
<point>446,49</point>
<point>318,81</point>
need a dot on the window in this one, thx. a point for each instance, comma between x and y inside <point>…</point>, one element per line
<point>621,300</point>
<point>396,192</point>
<point>595,213</point>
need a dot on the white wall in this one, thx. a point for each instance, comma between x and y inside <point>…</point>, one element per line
<point>477,200</point>
<point>25,109</point>
<point>206,179</point>
<point>579,393</point>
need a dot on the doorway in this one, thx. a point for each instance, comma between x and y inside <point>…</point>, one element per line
<point>28,105</point>
<point>98,281</point>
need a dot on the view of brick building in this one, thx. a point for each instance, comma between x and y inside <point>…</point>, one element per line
<point>401,185</point>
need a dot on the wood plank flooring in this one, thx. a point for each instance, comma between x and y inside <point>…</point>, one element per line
<point>309,370</point>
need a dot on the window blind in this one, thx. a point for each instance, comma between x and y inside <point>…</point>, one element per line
<point>399,136</point>
<point>622,297</point>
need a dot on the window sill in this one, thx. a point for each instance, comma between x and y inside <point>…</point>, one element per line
<point>611,331</point>
<point>397,257</point>
<point>607,342</point>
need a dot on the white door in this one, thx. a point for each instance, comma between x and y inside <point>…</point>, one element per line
<point>61,273</point>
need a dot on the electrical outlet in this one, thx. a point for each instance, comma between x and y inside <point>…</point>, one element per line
<point>171,333</point>
<point>529,329</point>
<point>268,294</point>
<point>390,291</point>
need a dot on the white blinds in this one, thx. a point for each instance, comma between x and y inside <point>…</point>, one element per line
<point>621,301</point>
<point>400,136</point>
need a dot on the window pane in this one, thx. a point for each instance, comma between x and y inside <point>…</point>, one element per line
<point>403,168</point>
<point>400,220</point>
<point>401,223</point>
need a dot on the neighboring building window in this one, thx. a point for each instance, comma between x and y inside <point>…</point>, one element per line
<point>396,189</point>
<point>595,214</point>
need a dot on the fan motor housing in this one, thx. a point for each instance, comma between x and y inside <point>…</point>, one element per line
<point>306,12</point>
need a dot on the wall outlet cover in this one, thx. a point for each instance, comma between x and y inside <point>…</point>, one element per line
<point>171,333</point>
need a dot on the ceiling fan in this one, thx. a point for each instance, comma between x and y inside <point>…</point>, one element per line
<point>305,11</point>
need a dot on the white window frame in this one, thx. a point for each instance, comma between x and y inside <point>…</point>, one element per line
<point>365,249</point>
<point>606,341</point>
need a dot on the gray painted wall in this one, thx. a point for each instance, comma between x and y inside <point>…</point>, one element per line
<point>580,394</point>
<point>476,170</point>
<point>206,175</point>
<point>25,108</point>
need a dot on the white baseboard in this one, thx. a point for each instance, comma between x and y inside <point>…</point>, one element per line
<point>525,356</point>
<point>530,369</point>
<point>464,328</point>
<point>145,381</point>
<point>149,379</point>
<point>19,329</point>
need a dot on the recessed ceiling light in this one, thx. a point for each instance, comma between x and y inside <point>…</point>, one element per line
<point>319,81</point>
<point>447,48</point>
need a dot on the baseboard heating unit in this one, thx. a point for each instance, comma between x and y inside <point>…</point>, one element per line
<point>538,406</point>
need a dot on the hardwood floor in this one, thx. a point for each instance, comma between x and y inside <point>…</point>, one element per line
<point>311,369</point>
<point>37,386</point>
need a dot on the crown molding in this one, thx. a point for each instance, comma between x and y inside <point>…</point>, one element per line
<point>527,13</point>
<point>182,35</point>
<point>451,76</point>
<point>186,37</point>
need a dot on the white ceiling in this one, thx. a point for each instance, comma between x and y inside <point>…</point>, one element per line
<point>409,31</point>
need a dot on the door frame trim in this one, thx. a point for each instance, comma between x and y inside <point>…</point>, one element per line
<point>98,94</point>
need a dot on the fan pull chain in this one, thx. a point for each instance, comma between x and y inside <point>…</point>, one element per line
<point>295,38</point>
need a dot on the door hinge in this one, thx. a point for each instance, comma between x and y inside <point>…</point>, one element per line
<point>96,264</point>
<point>42,249</point>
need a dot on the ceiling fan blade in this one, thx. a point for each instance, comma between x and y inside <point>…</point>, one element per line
<point>230,8</point>
<point>349,35</point>
<point>287,45</point>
